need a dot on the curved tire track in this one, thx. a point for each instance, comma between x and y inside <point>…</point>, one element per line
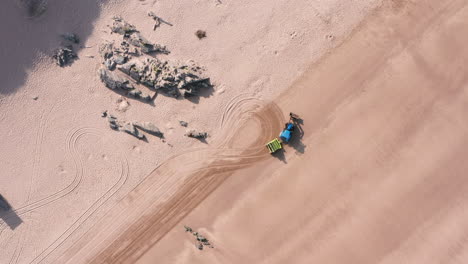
<point>165,196</point>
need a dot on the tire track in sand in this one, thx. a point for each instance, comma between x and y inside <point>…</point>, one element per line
<point>124,173</point>
<point>72,140</point>
<point>166,196</point>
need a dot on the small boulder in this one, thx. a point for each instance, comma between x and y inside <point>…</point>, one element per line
<point>198,135</point>
<point>183,123</point>
<point>122,27</point>
<point>64,56</point>
<point>149,128</point>
<point>110,64</point>
<point>132,130</point>
<point>113,81</point>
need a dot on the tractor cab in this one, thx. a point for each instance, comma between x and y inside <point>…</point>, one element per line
<point>284,136</point>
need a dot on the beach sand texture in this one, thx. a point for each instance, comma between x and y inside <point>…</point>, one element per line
<point>376,177</point>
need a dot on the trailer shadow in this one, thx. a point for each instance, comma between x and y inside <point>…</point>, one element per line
<point>280,155</point>
<point>8,215</point>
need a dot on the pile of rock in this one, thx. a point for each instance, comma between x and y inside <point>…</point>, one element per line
<point>170,79</point>
<point>196,134</point>
<point>134,128</point>
<point>66,55</point>
<point>115,82</point>
<point>201,240</point>
<point>132,36</point>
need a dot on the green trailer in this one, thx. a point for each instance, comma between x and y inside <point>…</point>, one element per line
<point>274,145</point>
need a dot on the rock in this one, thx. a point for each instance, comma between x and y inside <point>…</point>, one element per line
<point>200,246</point>
<point>149,128</point>
<point>200,34</point>
<point>104,113</point>
<point>188,229</point>
<point>183,123</point>
<point>112,122</point>
<point>156,19</point>
<point>201,238</point>
<point>122,105</point>
<point>106,50</point>
<point>65,55</point>
<point>132,130</point>
<point>127,67</point>
<point>113,81</point>
<point>71,37</point>
<point>121,27</point>
<point>137,40</point>
<point>120,59</point>
<point>198,135</point>
<point>35,98</point>
<point>110,64</point>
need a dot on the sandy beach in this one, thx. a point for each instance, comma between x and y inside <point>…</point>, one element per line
<point>374,173</point>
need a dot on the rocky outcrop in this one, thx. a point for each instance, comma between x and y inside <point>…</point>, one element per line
<point>122,27</point>
<point>64,56</point>
<point>137,40</point>
<point>114,81</point>
<point>165,78</point>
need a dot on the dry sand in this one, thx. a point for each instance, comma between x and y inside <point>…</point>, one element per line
<point>377,177</point>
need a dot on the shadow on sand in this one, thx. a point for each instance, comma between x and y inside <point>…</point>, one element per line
<point>8,215</point>
<point>25,38</point>
<point>296,140</point>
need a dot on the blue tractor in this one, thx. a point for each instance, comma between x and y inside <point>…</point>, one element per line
<point>285,135</point>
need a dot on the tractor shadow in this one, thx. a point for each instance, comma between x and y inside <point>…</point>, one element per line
<point>296,140</point>
<point>8,215</point>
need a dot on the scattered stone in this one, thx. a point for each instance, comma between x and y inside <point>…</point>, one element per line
<point>71,37</point>
<point>120,59</point>
<point>200,34</point>
<point>122,104</point>
<point>64,56</point>
<point>149,128</point>
<point>121,27</point>
<point>106,50</point>
<point>104,113</point>
<point>183,123</point>
<point>157,20</point>
<point>113,81</point>
<point>110,64</point>
<point>200,246</point>
<point>35,98</point>
<point>137,40</point>
<point>113,122</point>
<point>198,135</point>
<point>132,130</point>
